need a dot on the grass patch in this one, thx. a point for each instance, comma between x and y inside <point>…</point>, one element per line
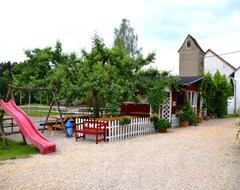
<point>37,110</point>
<point>16,150</point>
<point>40,114</point>
<point>231,116</point>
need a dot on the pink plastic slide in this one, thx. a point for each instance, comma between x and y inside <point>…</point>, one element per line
<point>27,127</point>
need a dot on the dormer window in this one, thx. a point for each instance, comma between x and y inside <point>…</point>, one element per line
<point>188,44</point>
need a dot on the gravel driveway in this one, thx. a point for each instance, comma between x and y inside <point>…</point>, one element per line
<point>203,157</point>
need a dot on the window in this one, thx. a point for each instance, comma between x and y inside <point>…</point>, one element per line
<point>180,100</point>
<point>188,43</point>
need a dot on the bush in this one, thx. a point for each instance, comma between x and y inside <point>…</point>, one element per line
<point>125,120</point>
<point>187,114</point>
<point>162,124</point>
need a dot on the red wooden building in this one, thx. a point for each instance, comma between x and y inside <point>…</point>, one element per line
<point>189,86</point>
<point>174,101</point>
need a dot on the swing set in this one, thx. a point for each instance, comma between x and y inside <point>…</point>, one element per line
<point>10,95</point>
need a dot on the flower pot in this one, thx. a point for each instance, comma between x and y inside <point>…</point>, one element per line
<point>207,117</point>
<point>163,130</point>
<point>212,116</point>
<point>184,123</point>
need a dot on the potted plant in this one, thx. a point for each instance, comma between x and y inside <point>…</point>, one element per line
<point>183,118</point>
<point>206,117</point>
<point>186,115</point>
<point>210,112</point>
<point>162,125</point>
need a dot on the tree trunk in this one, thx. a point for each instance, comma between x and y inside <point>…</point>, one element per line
<point>95,104</point>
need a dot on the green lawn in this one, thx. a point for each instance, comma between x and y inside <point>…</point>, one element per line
<point>16,150</point>
<point>231,116</point>
<point>36,111</point>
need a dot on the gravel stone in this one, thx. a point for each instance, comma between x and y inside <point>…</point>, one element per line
<point>201,157</point>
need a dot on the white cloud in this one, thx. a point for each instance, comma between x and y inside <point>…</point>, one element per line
<point>162,25</point>
<point>223,44</point>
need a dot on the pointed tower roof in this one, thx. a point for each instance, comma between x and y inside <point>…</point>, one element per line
<point>194,41</point>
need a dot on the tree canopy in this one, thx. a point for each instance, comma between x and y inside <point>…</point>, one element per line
<point>216,91</point>
<point>108,74</point>
<point>154,84</point>
<point>104,76</point>
<point>125,38</point>
<point>223,89</point>
<point>47,67</point>
<point>6,76</point>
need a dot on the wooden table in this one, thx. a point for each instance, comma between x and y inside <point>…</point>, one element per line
<point>57,123</point>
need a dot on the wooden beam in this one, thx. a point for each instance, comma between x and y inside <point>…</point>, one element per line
<point>33,89</point>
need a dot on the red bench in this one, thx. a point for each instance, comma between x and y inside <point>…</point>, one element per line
<point>92,127</point>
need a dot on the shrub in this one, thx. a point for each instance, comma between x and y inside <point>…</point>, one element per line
<point>162,124</point>
<point>187,114</point>
<point>125,120</point>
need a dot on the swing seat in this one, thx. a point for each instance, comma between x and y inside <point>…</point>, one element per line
<point>43,124</point>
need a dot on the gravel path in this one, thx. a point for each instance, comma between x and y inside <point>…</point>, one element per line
<point>204,157</point>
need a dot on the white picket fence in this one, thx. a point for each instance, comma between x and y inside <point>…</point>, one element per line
<point>116,132</point>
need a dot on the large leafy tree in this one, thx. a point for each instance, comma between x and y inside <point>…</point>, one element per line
<point>6,76</point>
<point>147,78</point>
<point>125,38</point>
<point>48,67</point>
<point>4,87</point>
<point>64,77</point>
<point>108,74</point>
<point>207,88</point>
<point>154,83</point>
<point>6,70</point>
<point>34,71</point>
<point>215,91</point>
<point>222,92</point>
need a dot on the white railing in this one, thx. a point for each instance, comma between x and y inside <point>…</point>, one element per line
<point>81,110</point>
<point>137,127</point>
<point>115,132</point>
<point>40,108</point>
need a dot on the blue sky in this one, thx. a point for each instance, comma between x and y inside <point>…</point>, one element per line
<point>162,26</point>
